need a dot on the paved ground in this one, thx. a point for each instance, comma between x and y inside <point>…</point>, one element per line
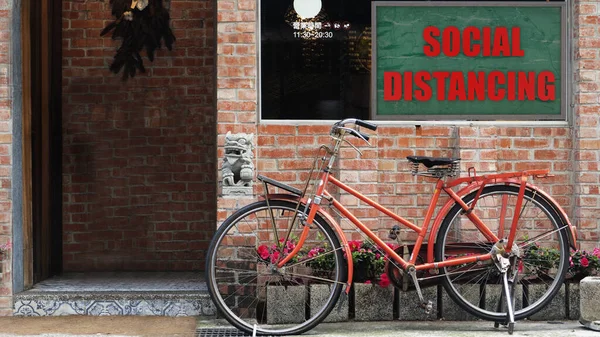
<point>113,326</point>
<point>117,326</point>
<point>440,328</point>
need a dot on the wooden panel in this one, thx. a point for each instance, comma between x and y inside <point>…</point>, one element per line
<point>27,172</point>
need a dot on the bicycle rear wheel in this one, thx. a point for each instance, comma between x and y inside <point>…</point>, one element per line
<point>247,287</point>
<point>541,253</point>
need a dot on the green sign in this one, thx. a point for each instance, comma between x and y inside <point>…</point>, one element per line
<point>444,60</point>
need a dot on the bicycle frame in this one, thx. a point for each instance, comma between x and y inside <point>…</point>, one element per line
<point>473,183</point>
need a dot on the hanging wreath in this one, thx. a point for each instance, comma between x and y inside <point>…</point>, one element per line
<point>139,24</point>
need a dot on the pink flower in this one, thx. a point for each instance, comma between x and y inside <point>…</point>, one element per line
<point>290,245</point>
<point>377,256</point>
<point>368,282</point>
<point>274,257</point>
<point>596,252</point>
<point>520,266</point>
<point>584,262</point>
<point>313,252</point>
<point>384,280</point>
<point>571,261</point>
<point>354,245</point>
<point>263,252</point>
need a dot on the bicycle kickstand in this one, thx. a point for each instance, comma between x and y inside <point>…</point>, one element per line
<point>510,302</point>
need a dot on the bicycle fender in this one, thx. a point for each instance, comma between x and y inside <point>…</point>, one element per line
<point>336,227</point>
<point>571,233</point>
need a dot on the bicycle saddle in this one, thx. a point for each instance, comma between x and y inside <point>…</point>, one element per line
<point>432,161</point>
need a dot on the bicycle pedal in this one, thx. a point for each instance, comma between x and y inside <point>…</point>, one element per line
<point>427,307</point>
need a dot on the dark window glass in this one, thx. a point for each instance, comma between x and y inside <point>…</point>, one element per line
<point>312,73</point>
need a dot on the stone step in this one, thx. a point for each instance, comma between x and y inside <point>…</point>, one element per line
<point>104,294</point>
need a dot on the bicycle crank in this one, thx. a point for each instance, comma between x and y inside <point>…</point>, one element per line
<point>426,305</point>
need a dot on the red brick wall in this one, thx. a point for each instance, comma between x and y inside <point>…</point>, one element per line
<point>587,136</point>
<point>5,154</point>
<point>138,156</point>
<point>284,149</point>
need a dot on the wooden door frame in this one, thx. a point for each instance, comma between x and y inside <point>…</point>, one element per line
<point>41,141</point>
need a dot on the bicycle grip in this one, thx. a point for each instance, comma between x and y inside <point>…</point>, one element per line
<point>359,134</point>
<point>367,125</point>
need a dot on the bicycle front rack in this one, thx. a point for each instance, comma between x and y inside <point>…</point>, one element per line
<point>451,170</point>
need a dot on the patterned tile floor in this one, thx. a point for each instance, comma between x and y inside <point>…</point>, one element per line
<point>123,282</point>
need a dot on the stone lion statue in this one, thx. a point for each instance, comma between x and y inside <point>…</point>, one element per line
<point>237,167</point>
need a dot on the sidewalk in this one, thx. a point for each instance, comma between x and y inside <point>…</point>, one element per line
<point>114,326</point>
<point>152,326</point>
<point>436,328</point>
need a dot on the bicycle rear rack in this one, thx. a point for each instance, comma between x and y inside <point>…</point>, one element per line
<point>452,170</point>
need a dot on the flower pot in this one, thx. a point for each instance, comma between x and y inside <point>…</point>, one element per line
<point>373,303</point>
<point>409,306</point>
<point>319,293</point>
<point>285,304</point>
<point>361,272</point>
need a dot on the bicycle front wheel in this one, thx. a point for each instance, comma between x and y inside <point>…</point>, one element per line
<point>251,292</point>
<point>540,253</point>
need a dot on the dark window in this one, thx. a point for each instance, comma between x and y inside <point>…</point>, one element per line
<point>325,76</point>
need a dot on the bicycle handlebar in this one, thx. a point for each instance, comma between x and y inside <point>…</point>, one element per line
<point>358,122</point>
<point>341,125</point>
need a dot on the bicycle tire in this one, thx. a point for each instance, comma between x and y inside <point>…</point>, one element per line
<point>244,317</point>
<point>552,239</point>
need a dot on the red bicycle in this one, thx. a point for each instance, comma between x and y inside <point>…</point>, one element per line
<point>288,253</point>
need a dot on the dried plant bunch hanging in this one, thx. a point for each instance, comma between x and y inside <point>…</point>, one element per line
<point>140,24</point>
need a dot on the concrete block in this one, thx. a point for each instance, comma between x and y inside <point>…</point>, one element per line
<point>589,302</point>
<point>373,303</point>
<point>409,306</point>
<point>555,310</point>
<point>574,312</point>
<point>493,295</point>
<point>452,311</point>
<point>319,293</point>
<point>286,304</point>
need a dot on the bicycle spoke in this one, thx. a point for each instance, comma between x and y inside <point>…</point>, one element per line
<point>316,278</point>
<point>537,238</point>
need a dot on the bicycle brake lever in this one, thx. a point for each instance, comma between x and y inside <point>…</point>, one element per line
<point>356,133</point>
<point>354,147</point>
